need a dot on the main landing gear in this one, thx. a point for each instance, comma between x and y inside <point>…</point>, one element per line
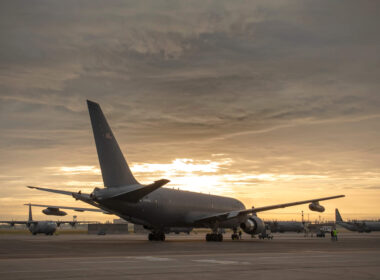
<point>214,237</point>
<point>156,236</point>
<point>235,236</point>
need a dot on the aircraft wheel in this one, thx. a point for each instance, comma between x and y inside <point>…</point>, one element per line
<point>150,236</point>
<point>219,237</point>
<point>214,237</point>
<point>210,237</point>
<point>162,237</point>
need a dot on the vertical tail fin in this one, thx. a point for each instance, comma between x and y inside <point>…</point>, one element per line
<point>30,218</point>
<point>115,170</point>
<point>338,217</point>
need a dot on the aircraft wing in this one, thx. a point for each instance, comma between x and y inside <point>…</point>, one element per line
<point>73,223</point>
<point>284,205</point>
<point>18,222</point>
<point>14,222</point>
<point>78,209</point>
<point>236,213</point>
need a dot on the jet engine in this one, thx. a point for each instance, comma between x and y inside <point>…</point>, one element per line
<point>54,211</point>
<point>253,225</point>
<point>315,206</point>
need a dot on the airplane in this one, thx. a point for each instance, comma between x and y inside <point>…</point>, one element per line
<point>285,226</point>
<point>162,210</point>
<point>359,226</point>
<point>45,227</point>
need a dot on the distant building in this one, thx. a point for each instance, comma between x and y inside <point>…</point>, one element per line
<point>108,229</point>
<point>139,229</point>
<point>120,221</point>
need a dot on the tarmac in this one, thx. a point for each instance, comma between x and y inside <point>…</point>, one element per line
<point>287,256</point>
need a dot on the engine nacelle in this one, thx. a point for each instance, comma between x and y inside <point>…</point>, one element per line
<point>253,225</point>
<point>315,206</point>
<point>54,211</point>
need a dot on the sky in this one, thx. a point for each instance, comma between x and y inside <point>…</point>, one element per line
<point>264,101</point>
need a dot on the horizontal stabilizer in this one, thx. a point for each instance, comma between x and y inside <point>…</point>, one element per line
<point>50,190</point>
<point>137,194</point>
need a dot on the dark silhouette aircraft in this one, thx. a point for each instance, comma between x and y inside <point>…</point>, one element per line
<point>45,227</point>
<point>359,226</point>
<point>164,210</point>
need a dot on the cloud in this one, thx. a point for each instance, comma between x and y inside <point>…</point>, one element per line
<point>283,88</point>
<point>373,188</point>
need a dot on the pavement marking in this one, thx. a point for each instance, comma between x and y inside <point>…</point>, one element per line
<point>151,258</point>
<point>43,270</point>
<point>220,261</point>
<point>102,262</point>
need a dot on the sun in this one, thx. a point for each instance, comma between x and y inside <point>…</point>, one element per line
<point>185,174</point>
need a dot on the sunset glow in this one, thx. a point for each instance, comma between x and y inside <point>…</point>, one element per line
<point>216,176</point>
<point>264,101</point>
